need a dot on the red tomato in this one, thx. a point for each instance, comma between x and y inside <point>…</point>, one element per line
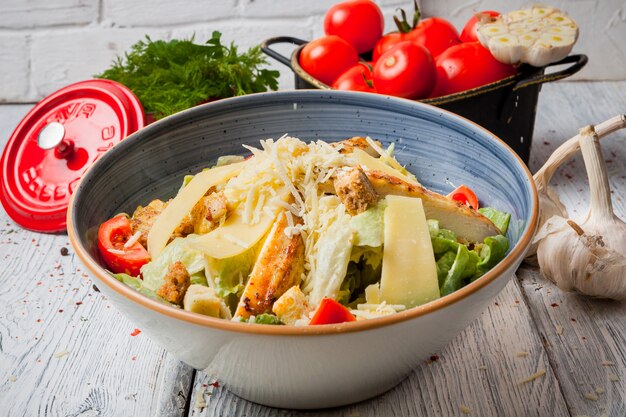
<point>113,234</point>
<point>358,22</point>
<point>387,42</point>
<point>357,78</point>
<point>406,70</point>
<point>468,65</point>
<point>436,34</point>
<point>331,312</point>
<point>465,195</point>
<point>469,32</point>
<point>328,57</point>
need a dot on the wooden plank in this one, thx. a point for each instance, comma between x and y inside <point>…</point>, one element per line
<point>480,370</point>
<point>586,343</point>
<point>581,333</point>
<point>64,350</point>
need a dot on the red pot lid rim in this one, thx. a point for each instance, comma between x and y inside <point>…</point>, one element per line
<point>56,142</point>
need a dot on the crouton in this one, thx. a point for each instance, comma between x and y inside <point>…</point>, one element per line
<point>280,266</point>
<point>354,190</point>
<point>291,306</point>
<point>203,300</point>
<point>209,212</point>
<point>144,217</point>
<point>177,281</point>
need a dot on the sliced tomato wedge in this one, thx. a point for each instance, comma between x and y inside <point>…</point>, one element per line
<point>466,196</point>
<point>112,236</point>
<point>331,312</point>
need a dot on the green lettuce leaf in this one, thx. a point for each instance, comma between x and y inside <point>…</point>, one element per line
<point>368,226</point>
<point>500,218</point>
<point>454,278</point>
<point>180,249</point>
<point>231,274</point>
<point>492,251</point>
<point>137,285</point>
<point>364,269</point>
<point>266,319</point>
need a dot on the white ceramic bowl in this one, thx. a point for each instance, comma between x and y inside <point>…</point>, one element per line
<point>315,366</point>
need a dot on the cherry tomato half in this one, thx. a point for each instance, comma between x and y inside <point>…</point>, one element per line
<point>358,22</point>
<point>470,31</point>
<point>328,57</point>
<point>113,234</point>
<point>357,78</point>
<point>331,312</point>
<point>468,65</point>
<point>465,195</point>
<point>435,34</point>
<point>406,70</point>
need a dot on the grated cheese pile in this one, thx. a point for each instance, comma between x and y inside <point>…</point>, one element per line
<point>289,166</point>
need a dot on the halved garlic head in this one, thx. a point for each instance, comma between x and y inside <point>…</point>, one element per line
<point>537,36</point>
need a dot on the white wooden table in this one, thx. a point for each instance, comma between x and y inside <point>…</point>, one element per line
<point>65,351</point>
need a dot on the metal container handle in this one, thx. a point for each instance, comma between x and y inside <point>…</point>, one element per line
<point>578,62</point>
<point>265,47</point>
<point>509,105</point>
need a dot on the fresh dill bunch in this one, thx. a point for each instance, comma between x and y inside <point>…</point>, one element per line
<point>170,76</point>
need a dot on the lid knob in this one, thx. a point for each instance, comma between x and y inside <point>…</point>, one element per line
<point>52,136</point>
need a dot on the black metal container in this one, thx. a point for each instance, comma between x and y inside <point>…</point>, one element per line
<point>506,107</point>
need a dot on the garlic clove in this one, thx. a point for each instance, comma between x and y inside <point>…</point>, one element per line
<point>506,48</point>
<point>549,201</point>
<point>588,257</point>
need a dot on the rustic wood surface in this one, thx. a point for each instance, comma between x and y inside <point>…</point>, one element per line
<point>65,351</point>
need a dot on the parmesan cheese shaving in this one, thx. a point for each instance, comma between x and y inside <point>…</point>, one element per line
<point>61,353</point>
<point>538,374</point>
<point>591,396</point>
<point>132,240</point>
<point>613,378</point>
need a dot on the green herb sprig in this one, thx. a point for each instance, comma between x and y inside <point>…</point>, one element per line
<point>170,76</point>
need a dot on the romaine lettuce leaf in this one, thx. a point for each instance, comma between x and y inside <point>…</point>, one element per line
<point>180,249</point>
<point>500,218</point>
<point>493,251</point>
<point>266,319</point>
<point>230,275</point>
<point>137,284</point>
<point>368,226</point>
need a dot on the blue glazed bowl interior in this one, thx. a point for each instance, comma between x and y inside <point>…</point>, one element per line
<point>441,149</point>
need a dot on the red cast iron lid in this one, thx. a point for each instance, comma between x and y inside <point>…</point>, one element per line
<point>56,142</point>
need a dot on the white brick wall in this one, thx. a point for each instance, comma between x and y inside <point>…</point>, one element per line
<point>46,44</point>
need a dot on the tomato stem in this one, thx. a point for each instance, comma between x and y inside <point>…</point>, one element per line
<point>402,22</point>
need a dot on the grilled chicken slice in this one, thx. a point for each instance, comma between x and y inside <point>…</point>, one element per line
<point>348,145</point>
<point>467,223</point>
<point>280,266</point>
<point>354,190</point>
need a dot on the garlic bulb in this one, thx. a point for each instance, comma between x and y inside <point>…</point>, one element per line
<point>588,257</point>
<point>535,36</point>
<point>549,202</point>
